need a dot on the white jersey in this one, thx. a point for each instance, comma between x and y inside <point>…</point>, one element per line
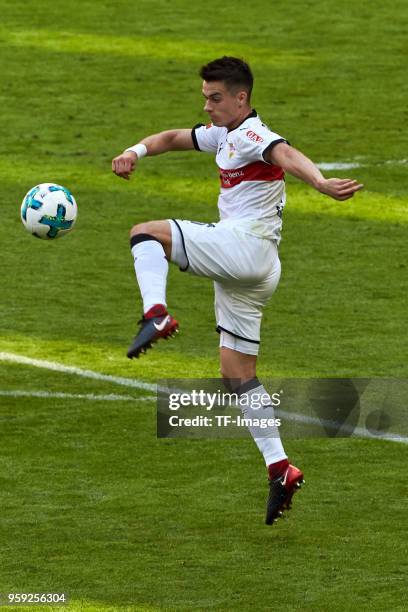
<point>251,188</point>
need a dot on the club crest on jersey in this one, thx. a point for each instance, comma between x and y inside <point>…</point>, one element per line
<point>231,149</point>
<point>208,125</point>
<point>253,136</point>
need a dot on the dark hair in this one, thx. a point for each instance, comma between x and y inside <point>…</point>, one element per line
<point>232,71</point>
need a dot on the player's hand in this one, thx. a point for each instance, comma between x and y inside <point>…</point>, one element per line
<point>339,189</point>
<point>124,164</point>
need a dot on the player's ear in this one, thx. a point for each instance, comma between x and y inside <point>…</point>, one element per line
<point>242,97</point>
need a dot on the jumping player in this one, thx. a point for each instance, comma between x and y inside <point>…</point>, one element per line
<point>239,252</point>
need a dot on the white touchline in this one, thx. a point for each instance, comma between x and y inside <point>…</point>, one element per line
<point>358,432</point>
<point>138,384</point>
<point>59,367</point>
<point>112,397</point>
<point>339,165</point>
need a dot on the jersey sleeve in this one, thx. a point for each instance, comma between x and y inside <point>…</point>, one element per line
<point>253,142</point>
<point>205,137</point>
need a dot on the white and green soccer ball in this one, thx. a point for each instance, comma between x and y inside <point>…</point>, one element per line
<point>48,211</point>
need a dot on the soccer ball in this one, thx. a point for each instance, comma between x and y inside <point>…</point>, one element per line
<point>48,211</point>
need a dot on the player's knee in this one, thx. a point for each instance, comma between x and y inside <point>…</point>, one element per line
<point>232,374</point>
<point>141,228</point>
<point>152,230</point>
<point>224,376</point>
<point>145,231</point>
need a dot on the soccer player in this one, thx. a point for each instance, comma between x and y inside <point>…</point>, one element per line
<point>239,252</point>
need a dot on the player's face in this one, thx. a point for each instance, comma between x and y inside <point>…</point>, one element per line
<point>226,109</point>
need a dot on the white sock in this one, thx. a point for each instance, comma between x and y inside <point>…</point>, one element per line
<point>151,267</point>
<point>267,440</point>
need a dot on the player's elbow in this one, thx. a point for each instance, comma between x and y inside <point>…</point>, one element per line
<point>164,141</point>
<point>169,139</point>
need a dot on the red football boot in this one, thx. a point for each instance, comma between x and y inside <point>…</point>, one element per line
<point>156,323</point>
<point>281,491</point>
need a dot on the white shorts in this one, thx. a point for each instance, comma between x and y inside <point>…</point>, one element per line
<point>245,269</point>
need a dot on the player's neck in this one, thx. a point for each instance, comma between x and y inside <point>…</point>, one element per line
<point>240,118</point>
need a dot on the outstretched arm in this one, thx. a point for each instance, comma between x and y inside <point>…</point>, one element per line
<point>294,162</point>
<point>170,140</point>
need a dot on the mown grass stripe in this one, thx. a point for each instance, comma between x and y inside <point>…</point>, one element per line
<point>149,47</point>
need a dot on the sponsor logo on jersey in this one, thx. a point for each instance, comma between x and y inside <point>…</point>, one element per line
<point>229,178</point>
<point>257,171</point>
<point>254,136</point>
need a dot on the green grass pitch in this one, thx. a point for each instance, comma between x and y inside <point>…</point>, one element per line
<point>91,502</point>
